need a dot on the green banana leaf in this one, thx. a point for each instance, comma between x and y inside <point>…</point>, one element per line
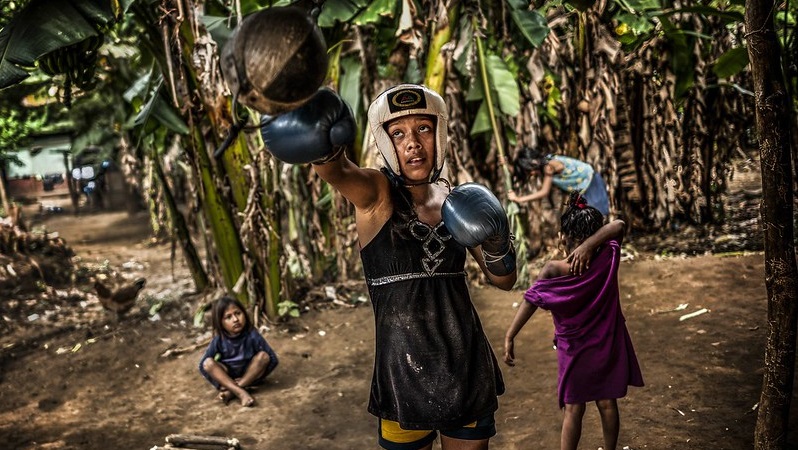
<point>156,107</point>
<point>640,25</point>
<point>532,25</point>
<point>159,108</point>
<point>340,11</point>
<point>219,28</point>
<point>505,85</point>
<point>482,120</point>
<point>250,6</point>
<point>46,25</point>
<point>376,11</point>
<point>682,60</point>
<point>349,87</point>
<point>731,63</point>
<point>356,12</point>
<point>505,92</point>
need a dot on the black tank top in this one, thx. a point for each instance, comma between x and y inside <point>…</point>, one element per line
<point>434,367</point>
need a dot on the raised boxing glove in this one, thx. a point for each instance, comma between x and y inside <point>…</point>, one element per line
<point>474,216</point>
<point>316,132</point>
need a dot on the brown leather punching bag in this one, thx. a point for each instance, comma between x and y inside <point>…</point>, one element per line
<point>275,60</point>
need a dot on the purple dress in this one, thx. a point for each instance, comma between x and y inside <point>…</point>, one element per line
<point>595,354</point>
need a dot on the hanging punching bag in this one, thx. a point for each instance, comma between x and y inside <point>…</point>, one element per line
<point>275,60</point>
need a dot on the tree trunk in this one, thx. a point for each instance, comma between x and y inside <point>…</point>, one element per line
<point>776,215</point>
<point>73,195</point>
<point>3,196</point>
<point>193,259</point>
<point>223,240</point>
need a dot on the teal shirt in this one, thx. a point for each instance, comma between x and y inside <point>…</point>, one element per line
<point>576,175</point>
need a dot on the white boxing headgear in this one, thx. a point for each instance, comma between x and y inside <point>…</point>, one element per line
<point>404,100</point>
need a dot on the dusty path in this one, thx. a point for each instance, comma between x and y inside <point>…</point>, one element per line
<point>702,374</point>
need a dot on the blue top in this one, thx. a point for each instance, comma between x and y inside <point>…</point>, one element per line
<point>236,353</point>
<point>576,175</point>
<point>581,177</point>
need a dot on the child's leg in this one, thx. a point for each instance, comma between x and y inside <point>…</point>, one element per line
<point>571,425</point>
<point>610,422</point>
<point>219,374</point>
<point>448,443</point>
<point>256,369</point>
<point>474,436</point>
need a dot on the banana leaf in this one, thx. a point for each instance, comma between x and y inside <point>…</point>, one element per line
<point>340,11</point>
<point>375,11</point>
<point>504,89</point>
<point>731,62</point>
<point>532,25</point>
<point>159,108</point>
<point>349,86</point>
<point>146,97</point>
<point>46,25</point>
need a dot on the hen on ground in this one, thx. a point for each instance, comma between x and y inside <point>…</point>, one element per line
<point>120,300</point>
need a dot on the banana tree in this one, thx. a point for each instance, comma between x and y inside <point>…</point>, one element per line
<point>15,128</point>
<point>575,76</point>
<point>157,125</point>
<point>185,51</point>
<point>696,55</point>
<point>24,39</point>
<point>59,37</point>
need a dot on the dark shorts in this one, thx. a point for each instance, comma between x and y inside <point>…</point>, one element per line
<point>394,437</point>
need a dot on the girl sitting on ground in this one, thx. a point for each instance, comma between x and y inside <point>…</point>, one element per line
<point>238,356</point>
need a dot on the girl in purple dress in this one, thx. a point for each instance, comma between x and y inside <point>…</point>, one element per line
<point>595,355</point>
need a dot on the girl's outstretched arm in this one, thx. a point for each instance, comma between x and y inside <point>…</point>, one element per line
<point>579,259</point>
<point>550,270</point>
<point>525,311</point>
<point>545,188</point>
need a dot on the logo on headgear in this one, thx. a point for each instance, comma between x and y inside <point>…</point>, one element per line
<point>406,99</point>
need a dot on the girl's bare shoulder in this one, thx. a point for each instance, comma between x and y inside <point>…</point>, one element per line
<point>554,268</point>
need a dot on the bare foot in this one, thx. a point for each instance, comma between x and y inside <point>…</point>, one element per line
<point>247,400</point>
<point>225,396</point>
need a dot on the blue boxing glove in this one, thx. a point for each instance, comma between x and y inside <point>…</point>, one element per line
<point>316,132</point>
<point>474,217</point>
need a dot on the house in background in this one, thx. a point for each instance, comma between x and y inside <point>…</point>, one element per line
<point>43,172</point>
<point>43,178</point>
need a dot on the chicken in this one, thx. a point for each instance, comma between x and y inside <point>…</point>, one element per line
<point>120,300</point>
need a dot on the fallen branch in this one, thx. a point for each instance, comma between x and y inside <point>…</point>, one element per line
<point>693,314</point>
<point>681,307</point>
<point>180,440</point>
<point>170,447</point>
<point>180,350</point>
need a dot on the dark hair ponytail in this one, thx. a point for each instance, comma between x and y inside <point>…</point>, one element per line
<point>527,160</point>
<point>580,220</point>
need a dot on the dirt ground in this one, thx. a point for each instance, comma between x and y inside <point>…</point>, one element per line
<point>84,381</point>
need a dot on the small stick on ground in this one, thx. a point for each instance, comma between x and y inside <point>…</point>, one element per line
<point>170,447</point>
<point>181,440</point>
<point>180,350</point>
